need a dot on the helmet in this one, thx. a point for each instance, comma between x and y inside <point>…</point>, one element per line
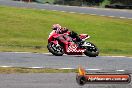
<point>56,26</point>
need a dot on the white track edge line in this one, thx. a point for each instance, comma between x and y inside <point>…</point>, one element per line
<point>93,69</point>
<point>120,70</point>
<point>92,14</point>
<point>6,66</point>
<point>66,68</point>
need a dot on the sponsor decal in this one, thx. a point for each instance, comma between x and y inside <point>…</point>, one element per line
<point>74,48</point>
<point>83,77</point>
<point>109,78</point>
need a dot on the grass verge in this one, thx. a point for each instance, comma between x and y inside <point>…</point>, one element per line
<point>33,70</point>
<point>27,30</point>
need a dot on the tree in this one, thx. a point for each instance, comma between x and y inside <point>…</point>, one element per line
<point>128,2</point>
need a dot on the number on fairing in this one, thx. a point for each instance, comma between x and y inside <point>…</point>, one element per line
<point>87,44</point>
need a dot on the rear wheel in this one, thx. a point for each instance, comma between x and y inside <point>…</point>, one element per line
<point>91,50</point>
<point>55,49</point>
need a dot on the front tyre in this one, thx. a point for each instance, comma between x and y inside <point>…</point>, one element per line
<point>55,49</point>
<point>91,50</point>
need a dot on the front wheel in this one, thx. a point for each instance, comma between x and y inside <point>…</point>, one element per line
<point>91,50</point>
<point>55,49</point>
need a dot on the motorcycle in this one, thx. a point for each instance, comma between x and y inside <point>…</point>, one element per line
<point>70,46</point>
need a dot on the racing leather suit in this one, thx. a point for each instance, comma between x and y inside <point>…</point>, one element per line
<point>62,38</point>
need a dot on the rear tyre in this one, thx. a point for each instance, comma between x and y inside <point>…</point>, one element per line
<point>92,50</point>
<point>55,49</point>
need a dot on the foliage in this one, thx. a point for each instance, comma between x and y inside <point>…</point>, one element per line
<point>45,1</point>
<point>69,2</point>
<point>105,2</point>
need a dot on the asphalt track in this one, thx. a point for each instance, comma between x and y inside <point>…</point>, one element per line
<point>49,80</point>
<point>72,9</point>
<point>36,60</point>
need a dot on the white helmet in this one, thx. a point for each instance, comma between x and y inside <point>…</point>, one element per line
<point>56,26</point>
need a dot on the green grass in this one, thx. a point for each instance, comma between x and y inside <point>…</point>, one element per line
<point>28,70</point>
<point>24,29</point>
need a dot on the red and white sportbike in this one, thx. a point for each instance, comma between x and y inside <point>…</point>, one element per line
<point>59,44</point>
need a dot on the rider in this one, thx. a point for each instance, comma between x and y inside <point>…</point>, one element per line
<point>61,30</point>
